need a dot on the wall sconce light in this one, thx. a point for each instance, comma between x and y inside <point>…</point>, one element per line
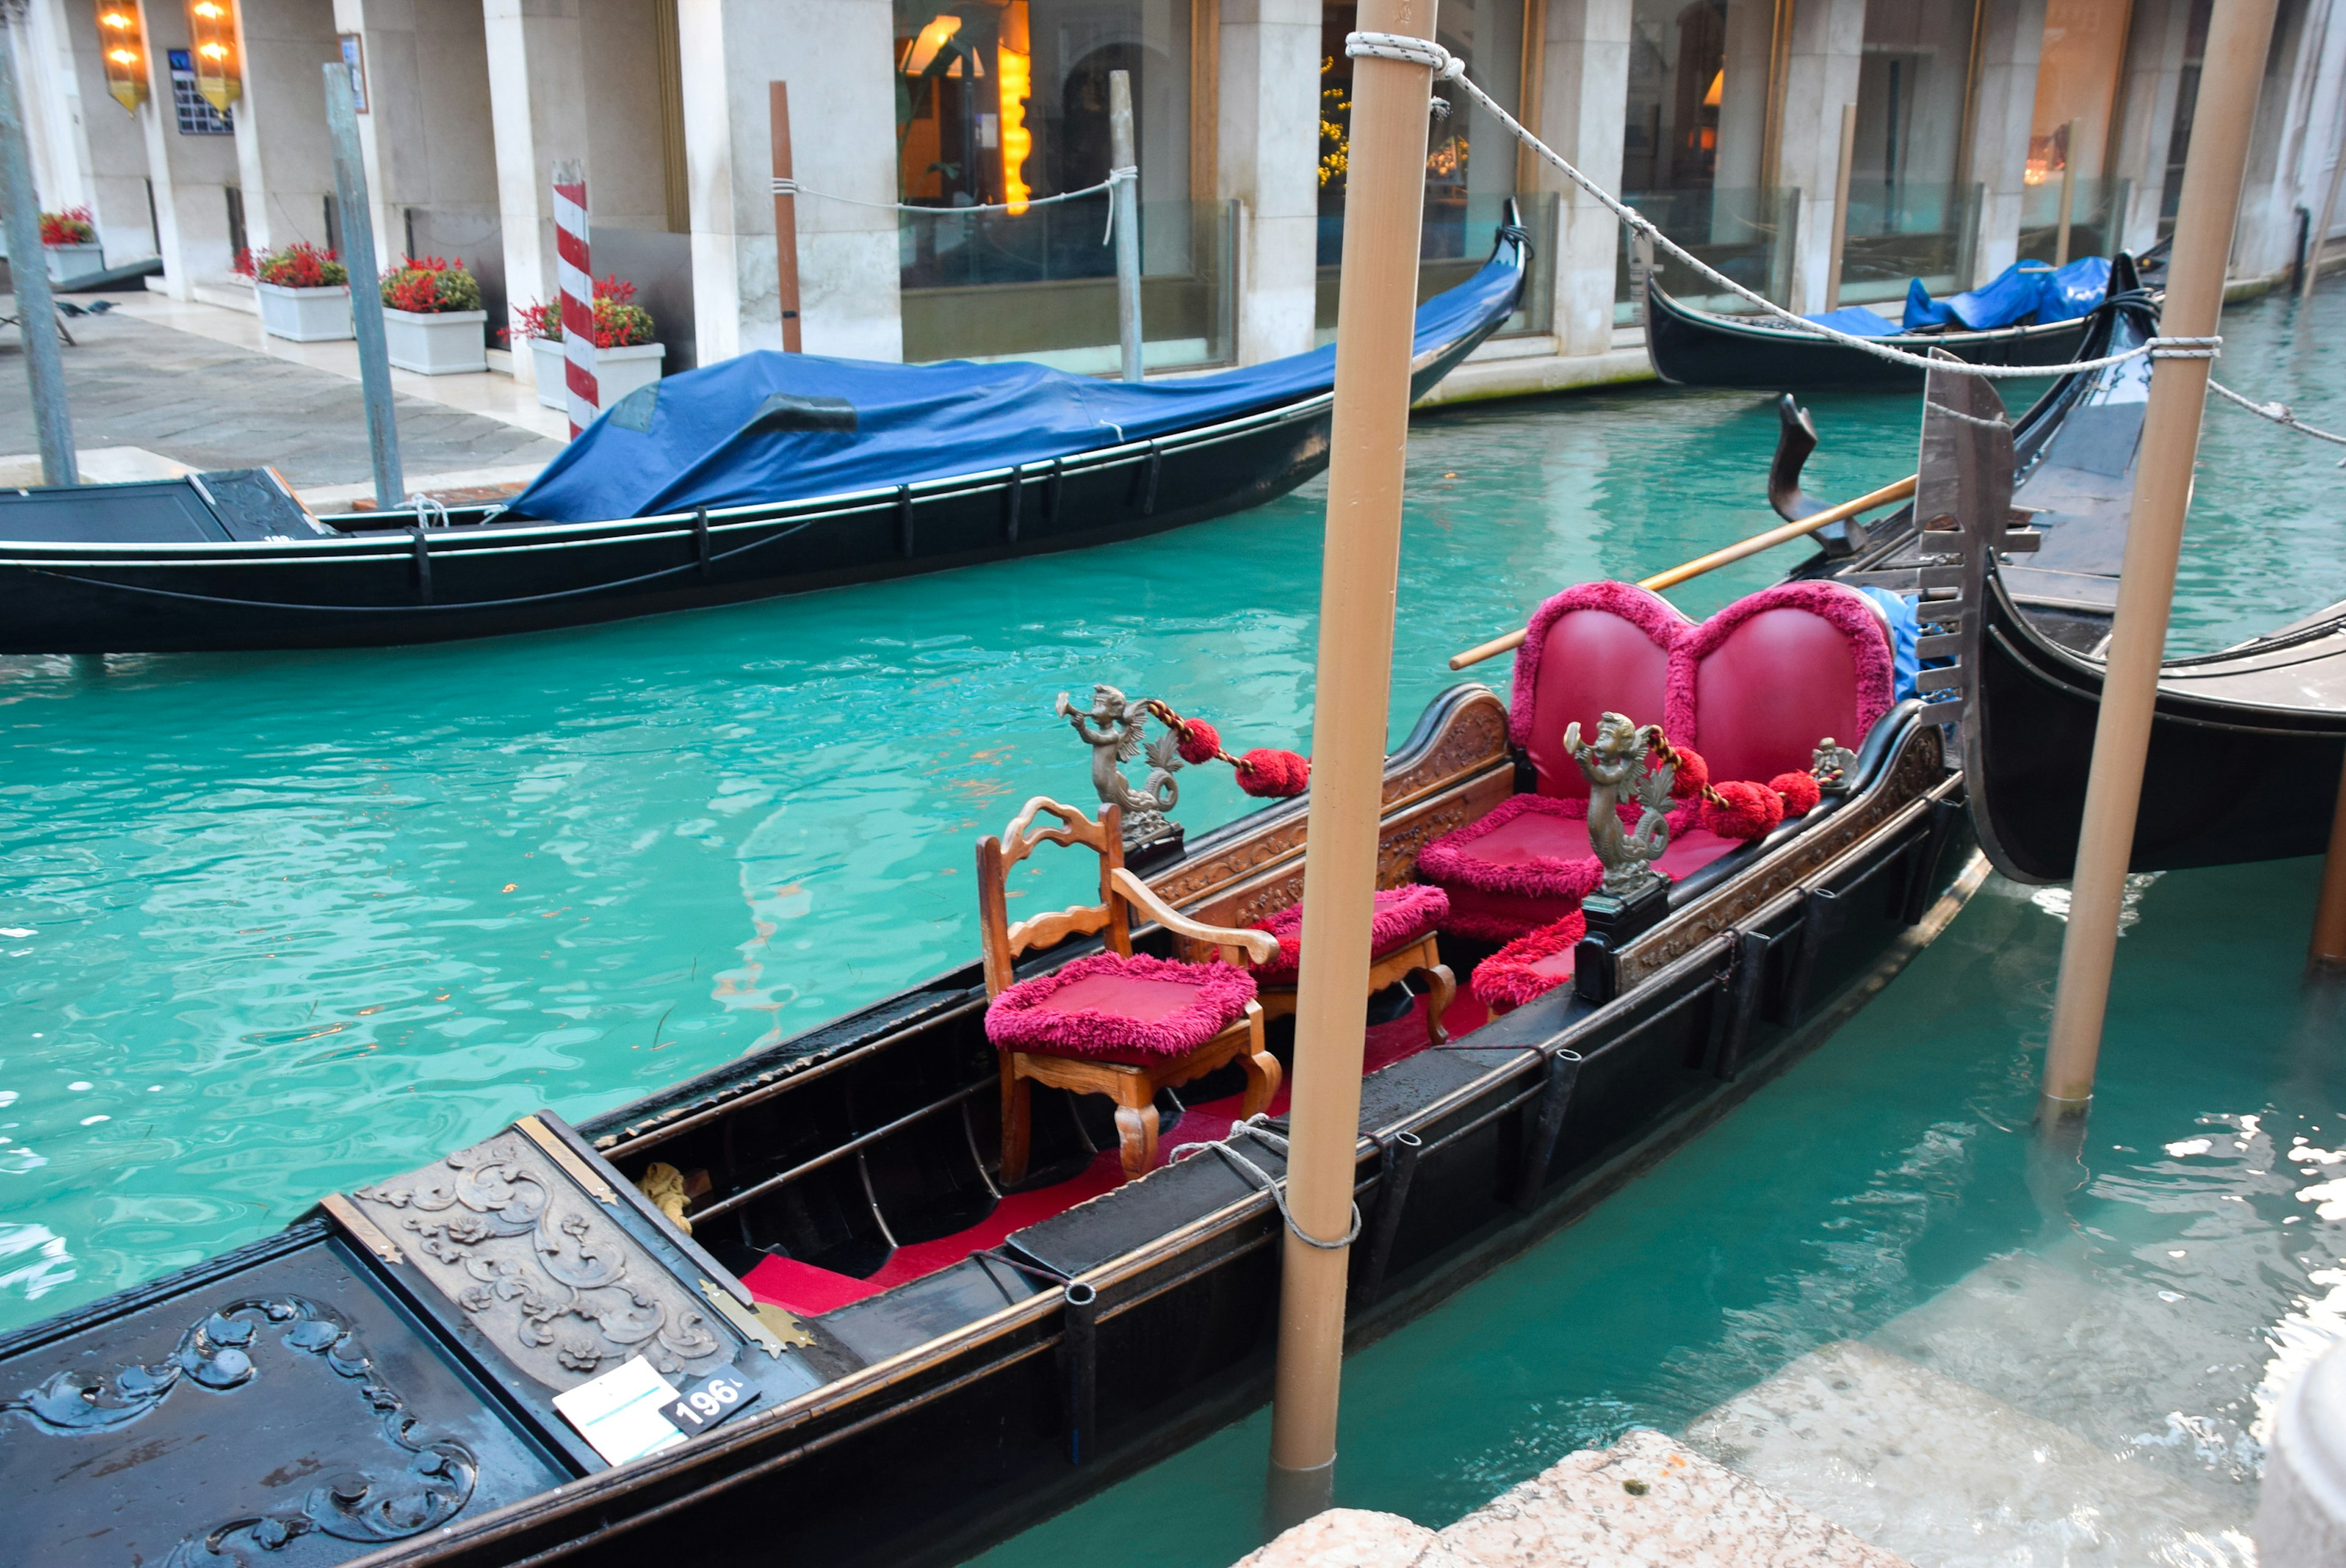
<point>212,46</point>
<point>122,49</point>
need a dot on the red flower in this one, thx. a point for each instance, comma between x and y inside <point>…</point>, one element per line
<point>74,226</point>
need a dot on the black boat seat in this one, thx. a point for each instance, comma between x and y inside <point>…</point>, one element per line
<point>231,505</point>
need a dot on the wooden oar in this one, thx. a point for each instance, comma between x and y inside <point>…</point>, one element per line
<point>1717,558</point>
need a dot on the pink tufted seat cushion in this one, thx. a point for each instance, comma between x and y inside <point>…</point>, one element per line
<point>1527,863</point>
<point>1404,914</point>
<point>1139,1010</point>
<point>1755,687</point>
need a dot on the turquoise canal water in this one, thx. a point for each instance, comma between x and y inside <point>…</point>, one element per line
<point>277,925</point>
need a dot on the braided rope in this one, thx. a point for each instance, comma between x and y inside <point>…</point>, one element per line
<point>2279,413</point>
<point>1446,66</point>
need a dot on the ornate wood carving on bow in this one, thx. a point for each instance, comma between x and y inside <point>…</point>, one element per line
<point>215,1353</point>
<point>541,1270</point>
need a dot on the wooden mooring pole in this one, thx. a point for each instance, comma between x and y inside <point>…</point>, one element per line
<point>1360,561</point>
<point>2329,950</point>
<point>2237,38</point>
<point>786,217</point>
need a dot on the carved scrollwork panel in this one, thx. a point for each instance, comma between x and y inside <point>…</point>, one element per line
<point>216,1353</point>
<point>539,1268</point>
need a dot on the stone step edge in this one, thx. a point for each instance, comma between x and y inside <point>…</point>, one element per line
<point>1648,1498</point>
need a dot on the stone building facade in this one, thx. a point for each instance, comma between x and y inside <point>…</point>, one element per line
<point>1723,118</point>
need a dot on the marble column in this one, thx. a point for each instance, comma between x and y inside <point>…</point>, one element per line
<point>838,57</point>
<point>1268,144</point>
<point>1583,105</point>
<point>1820,72</point>
<point>2003,108</point>
<point>538,102</point>
<point>2271,189</point>
<point>428,116</point>
<point>284,162</point>
<point>1742,116</point>
<point>191,174</point>
<point>2146,121</point>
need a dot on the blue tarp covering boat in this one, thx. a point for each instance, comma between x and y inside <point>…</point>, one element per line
<point>768,427</point>
<point>2023,291</point>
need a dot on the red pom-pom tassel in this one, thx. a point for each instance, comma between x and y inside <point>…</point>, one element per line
<point>1693,776</point>
<point>1274,774</point>
<point>1800,792</point>
<point>1741,810</point>
<point>1199,741</point>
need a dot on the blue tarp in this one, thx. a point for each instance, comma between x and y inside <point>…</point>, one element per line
<point>767,427</point>
<point>1857,322</point>
<point>2023,291</point>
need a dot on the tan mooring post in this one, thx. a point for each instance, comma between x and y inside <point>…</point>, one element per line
<point>1360,559</point>
<point>786,217</point>
<point>2068,193</point>
<point>1841,204</point>
<point>2229,80</point>
<point>2329,914</point>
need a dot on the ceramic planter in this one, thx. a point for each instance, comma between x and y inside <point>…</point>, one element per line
<point>617,372</point>
<point>438,343</point>
<point>304,315</point>
<point>67,262</point>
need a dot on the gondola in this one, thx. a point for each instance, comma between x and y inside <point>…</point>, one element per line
<point>1692,347</point>
<point>2247,744</point>
<point>897,1354</point>
<point>741,480</point>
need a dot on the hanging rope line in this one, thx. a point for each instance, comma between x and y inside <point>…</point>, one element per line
<point>1448,67</point>
<point>1116,177</point>
<point>2279,413</point>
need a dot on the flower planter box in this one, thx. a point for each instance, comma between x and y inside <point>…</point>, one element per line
<point>67,262</point>
<point>617,372</point>
<point>438,343</point>
<point>305,315</point>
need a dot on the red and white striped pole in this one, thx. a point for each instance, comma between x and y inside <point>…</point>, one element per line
<point>576,280</point>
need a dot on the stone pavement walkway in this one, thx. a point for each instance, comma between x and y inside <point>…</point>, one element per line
<point>211,405</point>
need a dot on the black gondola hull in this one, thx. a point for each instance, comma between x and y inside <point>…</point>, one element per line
<point>946,1413</point>
<point>399,583</point>
<point>2223,783</point>
<point>1695,347</point>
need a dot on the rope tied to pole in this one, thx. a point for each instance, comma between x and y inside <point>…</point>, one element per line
<point>1257,1126</point>
<point>784,186</point>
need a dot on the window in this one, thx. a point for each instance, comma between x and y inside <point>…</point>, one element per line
<point>1678,81</point>
<point>196,116</point>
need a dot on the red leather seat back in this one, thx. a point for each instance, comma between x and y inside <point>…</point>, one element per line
<point>1592,649</point>
<point>1759,684</point>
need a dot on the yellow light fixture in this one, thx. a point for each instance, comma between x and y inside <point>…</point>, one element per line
<point>1718,91</point>
<point>924,51</point>
<point>122,50</point>
<point>1014,71</point>
<point>212,46</point>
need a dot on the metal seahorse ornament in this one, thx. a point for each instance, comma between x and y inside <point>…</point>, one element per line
<point>1614,766</point>
<point>1112,727</point>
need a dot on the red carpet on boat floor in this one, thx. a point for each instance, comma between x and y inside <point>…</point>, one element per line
<point>803,1288</point>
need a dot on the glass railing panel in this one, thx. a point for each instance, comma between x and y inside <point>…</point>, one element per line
<point>2096,217</point>
<point>1747,234</point>
<point>1898,231</point>
<point>1041,286</point>
<point>1458,235</point>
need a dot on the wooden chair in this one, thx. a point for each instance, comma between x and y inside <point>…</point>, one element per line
<point>1408,948</point>
<point>1113,1024</point>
